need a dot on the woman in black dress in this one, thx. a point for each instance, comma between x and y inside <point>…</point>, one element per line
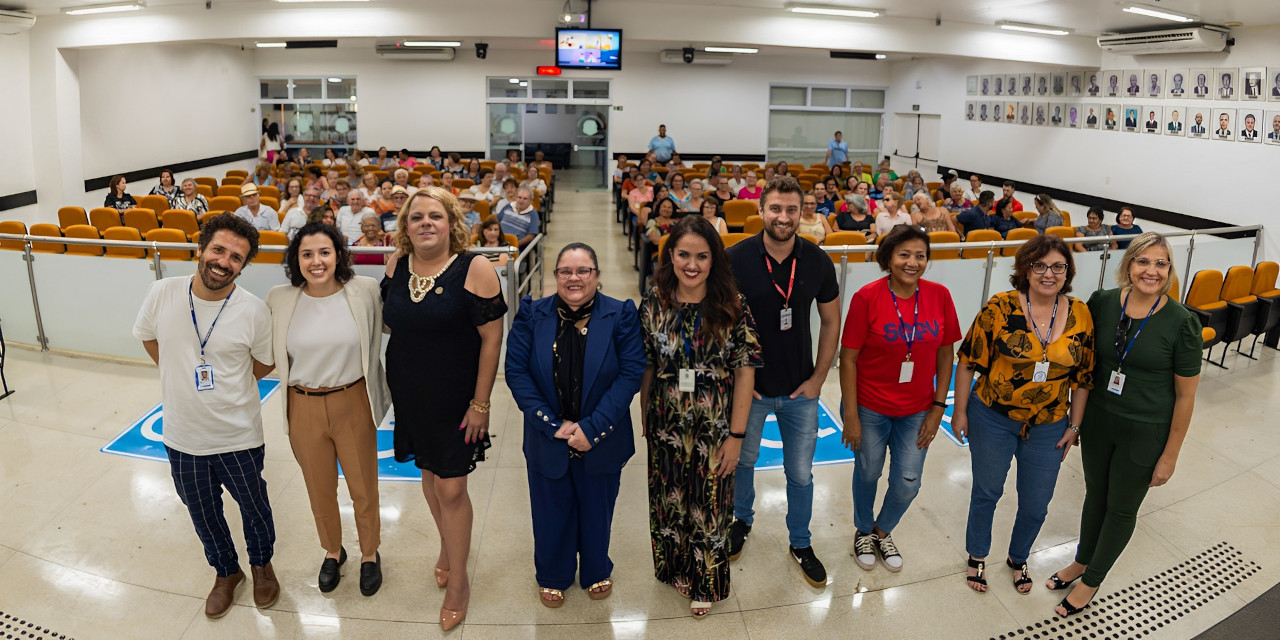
<point>444,308</point>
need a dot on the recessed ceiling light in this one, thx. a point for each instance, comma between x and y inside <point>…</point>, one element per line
<point>730,50</point>
<point>514,80</point>
<point>1152,12</point>
<point>524,83</point>
<point>881,56</point>
<point>1033,28</point>
<point>103,8</point>
<point>335,79</point>
<point>828,10</point>
<point>431,43</point>
<point>270,45</point>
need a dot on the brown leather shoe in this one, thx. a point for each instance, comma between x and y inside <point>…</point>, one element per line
<point>223,595</point>
<point>265,588</point>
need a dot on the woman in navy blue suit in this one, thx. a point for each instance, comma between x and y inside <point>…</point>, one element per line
<point>574,362</point>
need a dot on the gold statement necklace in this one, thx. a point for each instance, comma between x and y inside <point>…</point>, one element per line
<point>420,285</point>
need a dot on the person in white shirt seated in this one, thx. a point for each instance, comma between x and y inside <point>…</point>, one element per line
<point>893,214</point>
<point>332,159</point>
<point>675,164</point>
<point>262,217</point>
<point>401,178</point>
<point>296,218</point>
<point>485,189</point>
<point>509,189</point>
<point>349,217</point>
<point>620,171</point>
<point>975,188</point>
<point>534,183</point>
<point>737,181</point>
<point>501,172</point>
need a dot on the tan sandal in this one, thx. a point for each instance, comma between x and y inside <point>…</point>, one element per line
<point>442,577</point>
<point>600,590</point>
<point>554,603</point>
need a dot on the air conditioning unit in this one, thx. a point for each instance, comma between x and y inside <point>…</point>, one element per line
<point>14,22</point>
<point>398,52</point>
<point>676,56</point>
<point>1188,40</point>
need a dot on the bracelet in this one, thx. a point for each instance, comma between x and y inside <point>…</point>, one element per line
<point>737,435</point>
<point>480,407</point>
<point>1074,428</point>
<point>939,404</point>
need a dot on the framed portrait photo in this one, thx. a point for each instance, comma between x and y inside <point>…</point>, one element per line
<point>1073,115</point>
<point>1111,117</point>
<point>1132,118</point>
<point>1176,84</point>
<point>1174,120</point>
<point>997,111</point>
<point>1152,119</point>
<point>970,111</point>
<point>1042,85</point>
<point>1057,114</point>
<point>1249,126</point>
<point>1111,86</point>
<point>1201,81</point>
<point>984,85</point>
<point>1273,84</point>
<point>1199,122</point>
<point>1075,84</point>
<point>1224,124</point>
<point>1271,123</point>
<point>1058,82</point>
<point>1025,81</point>
<point>971,85</point>
<point>997,85</point>
<point>1011,84</point>
<point>1010,112</point>
<point>1131,83</point>
<point>1153,83</point>
<point>1253,83</point>
<point>1090,115</point>
<point>1024,113</point>
<point>1226,84</point>
<point>1093,83</point>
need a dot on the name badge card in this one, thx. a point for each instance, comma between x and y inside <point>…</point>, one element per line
<point>784,319</point>
<point>1041,372</point>
<point>204,377</point>
<point>687,380</point>
<point>1115,384</point>
<point>905,373</point>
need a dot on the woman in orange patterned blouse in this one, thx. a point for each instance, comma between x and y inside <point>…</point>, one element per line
<point>1034,347</point>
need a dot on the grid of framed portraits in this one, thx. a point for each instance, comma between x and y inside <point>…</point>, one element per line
<point>1108,100</point>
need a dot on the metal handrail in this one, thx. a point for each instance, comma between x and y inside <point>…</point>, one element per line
<point>191,246</point>
<point>514,284</point>
<point>1000,244</point>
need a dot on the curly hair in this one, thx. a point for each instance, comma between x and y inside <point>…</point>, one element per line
<point>722,306</point>
<point>233,224</point>
<point>459,234</point>
<point>1031,252</point>
<point>342,270</point>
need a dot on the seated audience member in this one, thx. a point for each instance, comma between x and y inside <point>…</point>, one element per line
<point>453,165</point>
<point>435,159</point>
<point>752,191</point>
<point>167,187</point>
<point>979,216</point>
<point>514,161</point>
<point>350,216</point>
<point>1007,189</point>
<point>489,234</point>
<point>383,161</point>
<point>190,199</point>
<point>1003,220</point>
<point>1049,214</point>
<point>621,171</point>
<point>715,170</point>
<point>837,174</point>
<point>332,179</point>
<point>404,160</point>
<point>949,179</point>
<point>323,214</point>
<point>297,217</point>
<point>863,189</point>
<point>382,202</point>
<point>722,192</point>
<point>355,176</point>
<point>262,218</point>
<point>446,182</point>
<point>262,175</point>
<point>540,161</point>
<point>424,181</point>
<point>811,222</point>
<point>369,186</point>
<point>661,221</point>
<point>473,171</point>
<point>485,189</point>
<point>857,216</point>
<point>467,203</point>
<point>332,159</point>
<point>401,178</point>
<point>893,214</point>
<point>315,177</point>
<point>398,197</point>
<point>1093,229</point>
<point>359,158</point>
<point>859,172</point>
<point>736,180</point>
<point>533,180</point>
<point>340,193</point>
<point>509,188</point>
<point>885,170</point>
<point>631,180</point>
<point>710,209</point>
<point>1124,226</point>
<point>881,187</point>
<point>675,163</point>
<point>782,168</point>
<point>833,188</point>
<point>823,200</point>
<point>956,203</point>
<point>647,170</point>
<point>500,173</point>
<point>769,172</point>
<point>522,221</point>
<point>915,185</point>
<point>291,195</point>
<point>371,235</point>
<point>975,188</point>
<point>116,197</point>
<point>930,216</point>
<point>678,193</point>
<point>302,157</point>
<point>287,170</point>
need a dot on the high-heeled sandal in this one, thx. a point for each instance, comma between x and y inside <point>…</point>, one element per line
<point>1024,576</point>
<point>600,590</point>
<point>980,578</point>
<point>555,602</point>
<point>442,577</point>
<point>1072,610</point>
<point>1059,584</point>
<point>700,610</point>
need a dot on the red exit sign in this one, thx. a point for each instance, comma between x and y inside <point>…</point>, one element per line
<point>548,71</point>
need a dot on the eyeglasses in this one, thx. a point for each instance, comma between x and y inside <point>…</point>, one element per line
<point>1143,263</point>
<point>581,272</point>
<point>1058,268</point>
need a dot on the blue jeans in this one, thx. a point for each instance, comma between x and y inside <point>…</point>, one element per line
<point>994,442</point>
<point>883,434</point>
<point>798,424</point>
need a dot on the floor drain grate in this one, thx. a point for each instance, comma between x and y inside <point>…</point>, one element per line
<point>1157,602</point>
<point>15,628</point>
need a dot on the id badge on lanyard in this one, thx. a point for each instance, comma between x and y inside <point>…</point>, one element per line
<point>785,321</point>
<point>1115,383</point>
<point>908,368</point>
<point>204,370</point>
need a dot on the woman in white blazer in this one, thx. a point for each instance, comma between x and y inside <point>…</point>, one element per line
<point>327,337</point>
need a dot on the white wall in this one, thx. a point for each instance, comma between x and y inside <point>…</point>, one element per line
<point>18,175</point>
<point>150,105</point>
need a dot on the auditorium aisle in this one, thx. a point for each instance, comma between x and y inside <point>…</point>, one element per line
<point>98,546</point>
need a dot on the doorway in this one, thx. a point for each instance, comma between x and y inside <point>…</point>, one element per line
<point>565,119</point>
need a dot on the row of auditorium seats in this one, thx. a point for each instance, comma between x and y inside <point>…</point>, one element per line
<point>127,234</point>
<point>1244,302</point>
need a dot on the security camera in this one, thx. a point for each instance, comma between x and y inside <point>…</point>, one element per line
<point>482,50</point>
<point>687,54</point>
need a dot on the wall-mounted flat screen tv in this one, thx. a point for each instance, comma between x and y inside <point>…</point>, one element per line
<point>589,48</point>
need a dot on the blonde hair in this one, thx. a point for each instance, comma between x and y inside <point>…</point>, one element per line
<point>1045,201</point>
<point>459,235</point>
<point>1137,247</point>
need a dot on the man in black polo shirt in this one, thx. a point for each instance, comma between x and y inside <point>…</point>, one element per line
<point>781,276</point>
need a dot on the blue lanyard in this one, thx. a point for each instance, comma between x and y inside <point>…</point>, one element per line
<point>1125,353</point>
<point>1032,321</point>
<point>901,322</point>
<point>191,302</point>
<point>687,339</point>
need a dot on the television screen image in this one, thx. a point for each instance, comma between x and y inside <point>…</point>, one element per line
<point>589,48</point>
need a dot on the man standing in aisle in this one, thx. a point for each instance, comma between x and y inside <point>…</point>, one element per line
<point>662,145</point>
<point>781,275</point>
<point>837,150</point>
<point>212,342</point>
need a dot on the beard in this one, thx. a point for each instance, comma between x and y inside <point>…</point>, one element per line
<point>210,281</point>
<point>773,233</point>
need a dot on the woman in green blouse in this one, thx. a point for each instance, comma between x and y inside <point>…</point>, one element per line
<point>1139,412</point>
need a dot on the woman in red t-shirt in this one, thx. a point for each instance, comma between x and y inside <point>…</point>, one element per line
<point>895,370</point>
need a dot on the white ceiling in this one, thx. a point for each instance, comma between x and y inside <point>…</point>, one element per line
<point>1085,17</point>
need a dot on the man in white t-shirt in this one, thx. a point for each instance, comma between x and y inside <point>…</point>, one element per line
<point>349,217</point>
<point>212,342</point>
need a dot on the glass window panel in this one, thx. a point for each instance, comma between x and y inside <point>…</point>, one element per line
<point>787,96</point>
<point>828,98</point>
<point>306,89</point>
<point>866,99</point>
<point>550,89</point>
<point>343,89</point>
<point>591,88</point>
<point>275,89</point>
<point>812,129</point>
<point>504,88</point>
<point>506,129</point>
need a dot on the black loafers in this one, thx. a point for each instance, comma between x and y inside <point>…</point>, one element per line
<point>371,576</point>
<point>329,575</point>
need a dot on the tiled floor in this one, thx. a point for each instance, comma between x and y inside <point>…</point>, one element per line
<point>98,546</point>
